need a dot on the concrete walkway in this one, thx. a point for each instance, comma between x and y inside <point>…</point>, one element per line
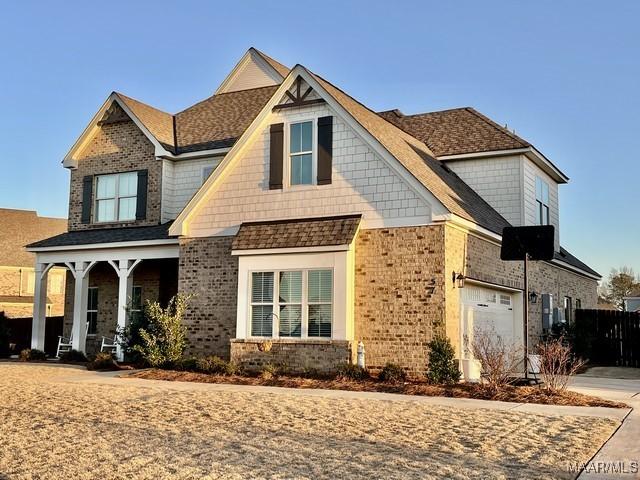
<point>622,451</point>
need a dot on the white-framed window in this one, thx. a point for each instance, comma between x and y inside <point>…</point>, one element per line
<point>206,171</point>
<point>116,197</point>
<point>92,311</point>
<point>301,153</point>
<point>505,299</point>
<point>542,202</point>
<point>292,303</point>
<point>31,283</point>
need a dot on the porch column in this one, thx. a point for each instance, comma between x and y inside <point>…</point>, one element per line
<point>125,289</point>
<point>39,306</point>
<point>80,297</point>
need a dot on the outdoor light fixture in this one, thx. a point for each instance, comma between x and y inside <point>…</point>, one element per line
<point>458,279</point>
<point>533,297</point>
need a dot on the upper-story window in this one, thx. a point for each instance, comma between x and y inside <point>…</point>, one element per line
<point>542,202</point>
<point>301,153</point>
<point>116,197</point>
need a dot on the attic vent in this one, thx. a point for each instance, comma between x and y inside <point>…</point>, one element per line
<point>114,114</point>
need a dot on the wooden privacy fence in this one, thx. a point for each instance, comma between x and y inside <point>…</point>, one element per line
<point>608,337</point>
<point>20,333</point>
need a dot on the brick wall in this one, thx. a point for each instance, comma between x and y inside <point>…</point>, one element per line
<point>20,283</point>
<point>118,147</point>
<point>294,355</point>
<point>399,296</point>
<point>209,272</point>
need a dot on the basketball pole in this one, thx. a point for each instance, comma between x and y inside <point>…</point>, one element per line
<point>526,318</point>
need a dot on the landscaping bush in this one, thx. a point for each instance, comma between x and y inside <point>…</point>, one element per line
<point>351,371</point>
<point>4,336</point>
<point>269,371</point>
<point>443,366</point>
<point>499,360</point>
<point>393,373</point>
<point>557,364</point>
<point>73,356</point>
<point>215,365</point>
<point>163,341</point>
<point>32,354</point>
<point>103,361</point>
<point>187,364</point>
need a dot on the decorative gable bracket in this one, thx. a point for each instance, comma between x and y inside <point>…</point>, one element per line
<point>298,98</point>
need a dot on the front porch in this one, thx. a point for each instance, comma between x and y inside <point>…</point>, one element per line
<point>104,285</point>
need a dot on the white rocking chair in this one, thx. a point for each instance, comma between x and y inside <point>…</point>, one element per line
<point>65,344</point>
<point>109,344</point>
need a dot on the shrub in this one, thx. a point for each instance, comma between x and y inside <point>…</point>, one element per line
<point>557,364</point>
<point>163,341</point>
<point>443,367</point>
<point>499,360</point>
<point>269,371</point>
<point>32,354</point>
<point>187,364</point>
<point>103,361</point>
<point>73,356</point>
<point>215,365</point>
<point>392,372</point>
<point>4,335</point>
<point>351,371</point>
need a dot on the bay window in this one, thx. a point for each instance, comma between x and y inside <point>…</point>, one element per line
<point>116,197</point>
<point>292,303</point>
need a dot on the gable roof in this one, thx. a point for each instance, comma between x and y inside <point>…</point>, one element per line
<point>564,256</point>
<point>419,160</point>
<point>159,123</point>
<point>21,227</point>
<point>283,70</point>
<point>456,131</point>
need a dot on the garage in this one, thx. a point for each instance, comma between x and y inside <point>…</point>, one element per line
<point>492,310</point>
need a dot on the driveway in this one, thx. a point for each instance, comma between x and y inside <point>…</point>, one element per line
<point>620,456</point>
<point>65,422</point>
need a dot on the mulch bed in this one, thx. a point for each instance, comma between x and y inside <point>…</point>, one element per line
<point>520,394</point>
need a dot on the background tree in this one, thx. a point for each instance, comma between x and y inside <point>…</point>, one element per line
<point>621,283</point>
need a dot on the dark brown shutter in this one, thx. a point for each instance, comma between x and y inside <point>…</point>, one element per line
<point>275,156</point>
<point>325,149</point>
<point>141,202</point>
<point>87,197</point>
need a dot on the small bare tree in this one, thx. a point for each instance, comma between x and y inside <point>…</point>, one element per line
<point>557,364</point>
<point>499,359</point>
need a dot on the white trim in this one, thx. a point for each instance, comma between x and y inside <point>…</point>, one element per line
<point>216,152</point>
<point>286,170</point>
<point>181,224</point>
<point>88,258</point>
<point>71,161</point>
<point>251,54</point>
<point>565,265</point>
<point>467,225</point>
<point>493,286</point>
<point>97,246</point>
<point>278,251</point>
<point>531,152</point>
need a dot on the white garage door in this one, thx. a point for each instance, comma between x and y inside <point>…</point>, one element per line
<point>489,310</point>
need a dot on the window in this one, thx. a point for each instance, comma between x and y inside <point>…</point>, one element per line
<point>301,153</point>
<point>542,202</point>
<point>505,300</point>
<point>92,311</point>
<point>301,299</point>
<point>206,171</point>
<point>116,197</point>
<point>57,283</point>
<point>578,304</point>
<point>135,311</point>
<point>31,283</point>
<point>568,312</point>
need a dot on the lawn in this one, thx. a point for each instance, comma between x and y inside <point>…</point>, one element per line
<point>57,424</point>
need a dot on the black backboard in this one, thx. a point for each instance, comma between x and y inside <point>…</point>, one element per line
<point>537,241</point>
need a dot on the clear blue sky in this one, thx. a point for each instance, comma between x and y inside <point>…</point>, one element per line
<point>565,75</point>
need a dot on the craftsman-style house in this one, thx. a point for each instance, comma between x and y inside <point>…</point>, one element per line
<point>303,222</point>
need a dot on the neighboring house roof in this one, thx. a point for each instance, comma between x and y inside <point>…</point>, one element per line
<point>218,121</point>
<point>456,131</point>
<point>106,235</point>
<point>21,227</point>
<point>564,256</point>
<point>458,197</point>
<point>306,232</point>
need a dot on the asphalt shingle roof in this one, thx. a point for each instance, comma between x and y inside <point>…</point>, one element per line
<point>106,235</point>
<point>305,232</point>
<point>456,131</point>
<point>564,256</point>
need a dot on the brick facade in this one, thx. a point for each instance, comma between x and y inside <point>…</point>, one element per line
<point>16,291</point>
<point>209,272</point>
<point>118,147</point>
<point>294,356</point>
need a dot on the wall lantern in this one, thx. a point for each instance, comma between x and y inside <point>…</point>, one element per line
<point>533,297</point>
<point>458,279</point>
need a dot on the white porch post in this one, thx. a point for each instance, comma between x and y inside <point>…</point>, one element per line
<point>81,292</point>
<point>39,306</point>
<point>125,288</point>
